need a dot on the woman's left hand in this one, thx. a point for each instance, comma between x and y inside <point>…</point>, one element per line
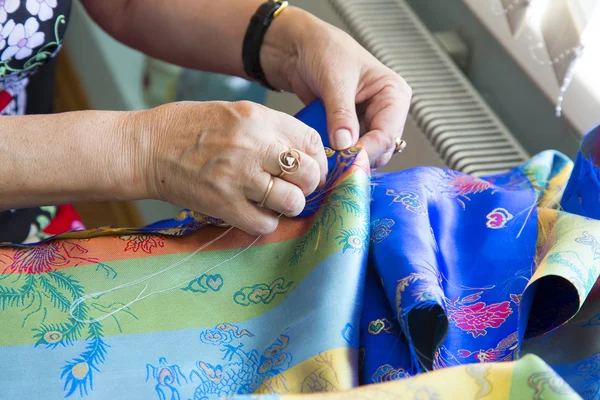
<point>363,97</point>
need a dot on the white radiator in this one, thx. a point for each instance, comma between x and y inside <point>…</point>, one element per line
<point>462,128</point>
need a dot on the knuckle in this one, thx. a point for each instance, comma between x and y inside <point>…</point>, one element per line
<point>312,142</point>
<point>342,113</point>
<point>248,109</point>
<point>270,151</point>
<point>225,176</point>
<point>253,184</point>
<point>402,86</point>
<point>392,82</point>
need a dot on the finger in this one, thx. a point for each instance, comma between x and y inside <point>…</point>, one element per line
<point>251,219</point>
<point>308,175</point>
<point>385,116</point>
<point>339,97</point>
<point>303,138</point>
<point>376,143</point>
<point>382,160</point>
<point>284,197</point>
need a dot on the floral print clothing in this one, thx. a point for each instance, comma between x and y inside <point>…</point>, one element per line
<point>31,34</point>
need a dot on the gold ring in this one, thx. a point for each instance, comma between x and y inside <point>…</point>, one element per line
<point>267,193</point>
<point>289,161</point>
<point>400,145</point>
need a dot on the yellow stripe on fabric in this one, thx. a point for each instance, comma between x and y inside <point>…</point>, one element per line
<point>556,186</point>
<point>330,371</point>
<point>571,257</point>
<point>528,378</point>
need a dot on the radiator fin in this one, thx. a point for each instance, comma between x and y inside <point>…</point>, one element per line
<point>458,122</point>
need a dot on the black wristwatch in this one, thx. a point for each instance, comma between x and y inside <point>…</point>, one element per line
<point>253,40</point>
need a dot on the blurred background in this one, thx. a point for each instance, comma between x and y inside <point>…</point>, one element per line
<point>489,78</point>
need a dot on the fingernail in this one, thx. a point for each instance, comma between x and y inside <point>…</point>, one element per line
<point>342,139</point>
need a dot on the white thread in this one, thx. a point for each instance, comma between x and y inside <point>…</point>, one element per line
<point>140,296</point>
<point>535,203</point>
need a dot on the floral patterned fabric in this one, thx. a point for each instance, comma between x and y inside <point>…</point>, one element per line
<point>31,34</point>
<point>425,283</point>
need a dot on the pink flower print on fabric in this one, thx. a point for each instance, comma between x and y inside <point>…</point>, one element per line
<point>498,218</point>
<point>477,318</point>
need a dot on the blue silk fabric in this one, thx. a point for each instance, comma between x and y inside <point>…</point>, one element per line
<point>452,260</point>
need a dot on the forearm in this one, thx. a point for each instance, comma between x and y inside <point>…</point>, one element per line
<point>200,34</point>
<point>71,157</point>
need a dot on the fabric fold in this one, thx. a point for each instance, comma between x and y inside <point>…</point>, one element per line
<point>453,289</point>
<point>425,283</point>
<point>583,189</point>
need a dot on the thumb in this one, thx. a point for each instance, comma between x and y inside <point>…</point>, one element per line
<point>342,121</point>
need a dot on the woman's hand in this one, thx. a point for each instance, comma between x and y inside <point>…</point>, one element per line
<point>311,58</point>
<point>217,158</point>
<point>300,54</point>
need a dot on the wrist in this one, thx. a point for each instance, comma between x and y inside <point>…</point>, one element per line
<point>283,43</point>
<point>133,143</point>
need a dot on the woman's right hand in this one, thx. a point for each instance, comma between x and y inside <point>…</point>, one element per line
<point>217,158</point>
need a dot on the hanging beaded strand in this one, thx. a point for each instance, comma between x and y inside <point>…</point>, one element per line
<point>535,47</point>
